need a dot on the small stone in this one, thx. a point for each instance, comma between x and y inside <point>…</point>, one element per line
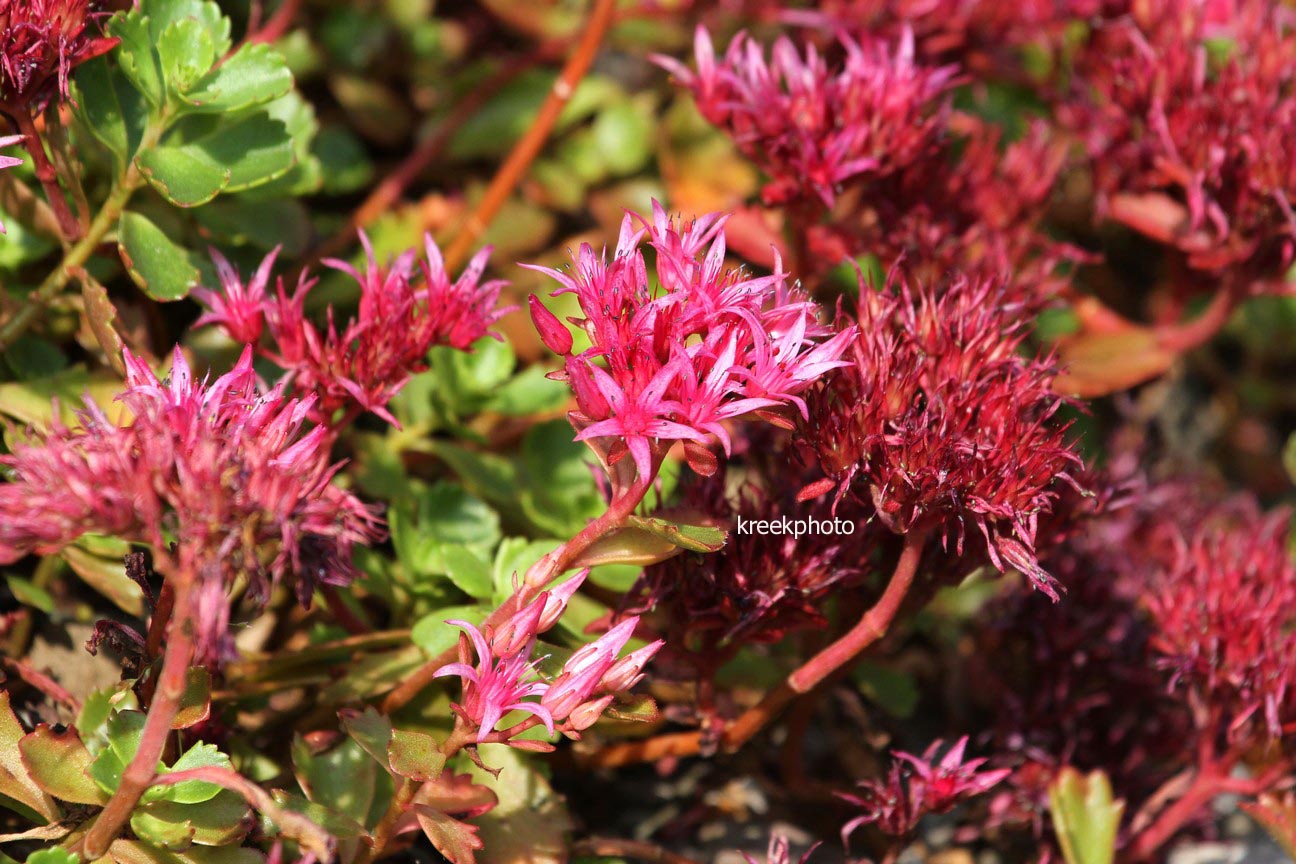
<point>951,856</point>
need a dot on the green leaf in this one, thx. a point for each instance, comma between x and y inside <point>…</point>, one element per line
<point>217,822</point>
<point>60,764</point>
<point>448,514</point>
<point>164,13</point>
<point>237,220</point>
<point>183,175</point>
<point>135,55</point>
<point>694,538</point>
<point>253,75</point>
<point>529,393</point>
<point>371,730</point>
<point>1085,817</point>
<point>55,855</point>
<point>433,636</point>
<point>160,832</point>
<point>891,688</point>
<point>186,50</point>
<point>628,546</point>
<point>468,570</point>
<point>191,791</point>
<point>30,594</point>
<point>203,158</point>
<point>344,779</point>
<point>110,108</point>
<point>415,755</point>
<point>159,267</point>
<point>530,823</point>
<point>124,731</point>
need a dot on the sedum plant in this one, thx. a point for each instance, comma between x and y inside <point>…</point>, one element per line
<point>419,417</point>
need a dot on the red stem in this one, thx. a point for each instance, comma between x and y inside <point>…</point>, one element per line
<point>278,23</point>
<point>46,173</point>
<point>139,774</point>
<point>522,154</point>
<point>871,627</point>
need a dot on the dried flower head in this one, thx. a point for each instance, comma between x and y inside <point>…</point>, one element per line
<point>402,315</point>
<point>1224,611</point>
<point>1188,110</point>
<point>812,129</point>
<point>675,361</point>
<point>918,785</point>
<point>223,470</point>
<point>41,41</point>
<point>940,424</point>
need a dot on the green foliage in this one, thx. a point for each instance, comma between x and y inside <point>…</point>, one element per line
<point>1085,817</point>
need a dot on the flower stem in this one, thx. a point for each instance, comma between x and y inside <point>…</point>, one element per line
<point>871,627</point>
<point>142,770</point>
<point>46,173</point>
<point>526,149</point>
<point>80,252</point>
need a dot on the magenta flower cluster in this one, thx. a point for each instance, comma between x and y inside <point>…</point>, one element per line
<point>224,470</point>
<point>402,314</point>
<point>505,679</point>
<point>707,344</point>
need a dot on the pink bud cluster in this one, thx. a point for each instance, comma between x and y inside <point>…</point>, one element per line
<point>940,424</point>
<point>677,360</point>
<point>918,785</point>
<point>40,43</point>
<point>402,315</point>
<point>223,470</point>
<point>1187,112</point>
<point>812,129</point>
<point>505,678</point>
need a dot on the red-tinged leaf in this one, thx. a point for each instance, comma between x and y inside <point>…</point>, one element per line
<point>1099,364</point>
<point>456,793</point>
<point>195,704</point>
<point>457,841</point>
<point>15,781</point>
<point>415,755</point>
<point>60,764</point>
<point>1278,817</point>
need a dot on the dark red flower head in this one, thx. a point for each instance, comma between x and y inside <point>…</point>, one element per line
<point>40,43</point>
<point>941,424</point>
<point>813,129</point>
<point>1188,110</point>
<point>918,785</point>
<point>1224,608</point>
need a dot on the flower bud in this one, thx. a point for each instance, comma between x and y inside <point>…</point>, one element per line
<point>555,335</point>
<point>555,603</point>
<point>587,714</point>
<point>627,671</point>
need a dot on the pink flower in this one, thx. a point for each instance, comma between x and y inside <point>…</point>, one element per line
<point>362,366</point>
<point>504,678</point>
<point>238,308</point>
<point>496,685</point>
<point>939,423</point>
<point>679,359</point>
<point>223,469</point>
